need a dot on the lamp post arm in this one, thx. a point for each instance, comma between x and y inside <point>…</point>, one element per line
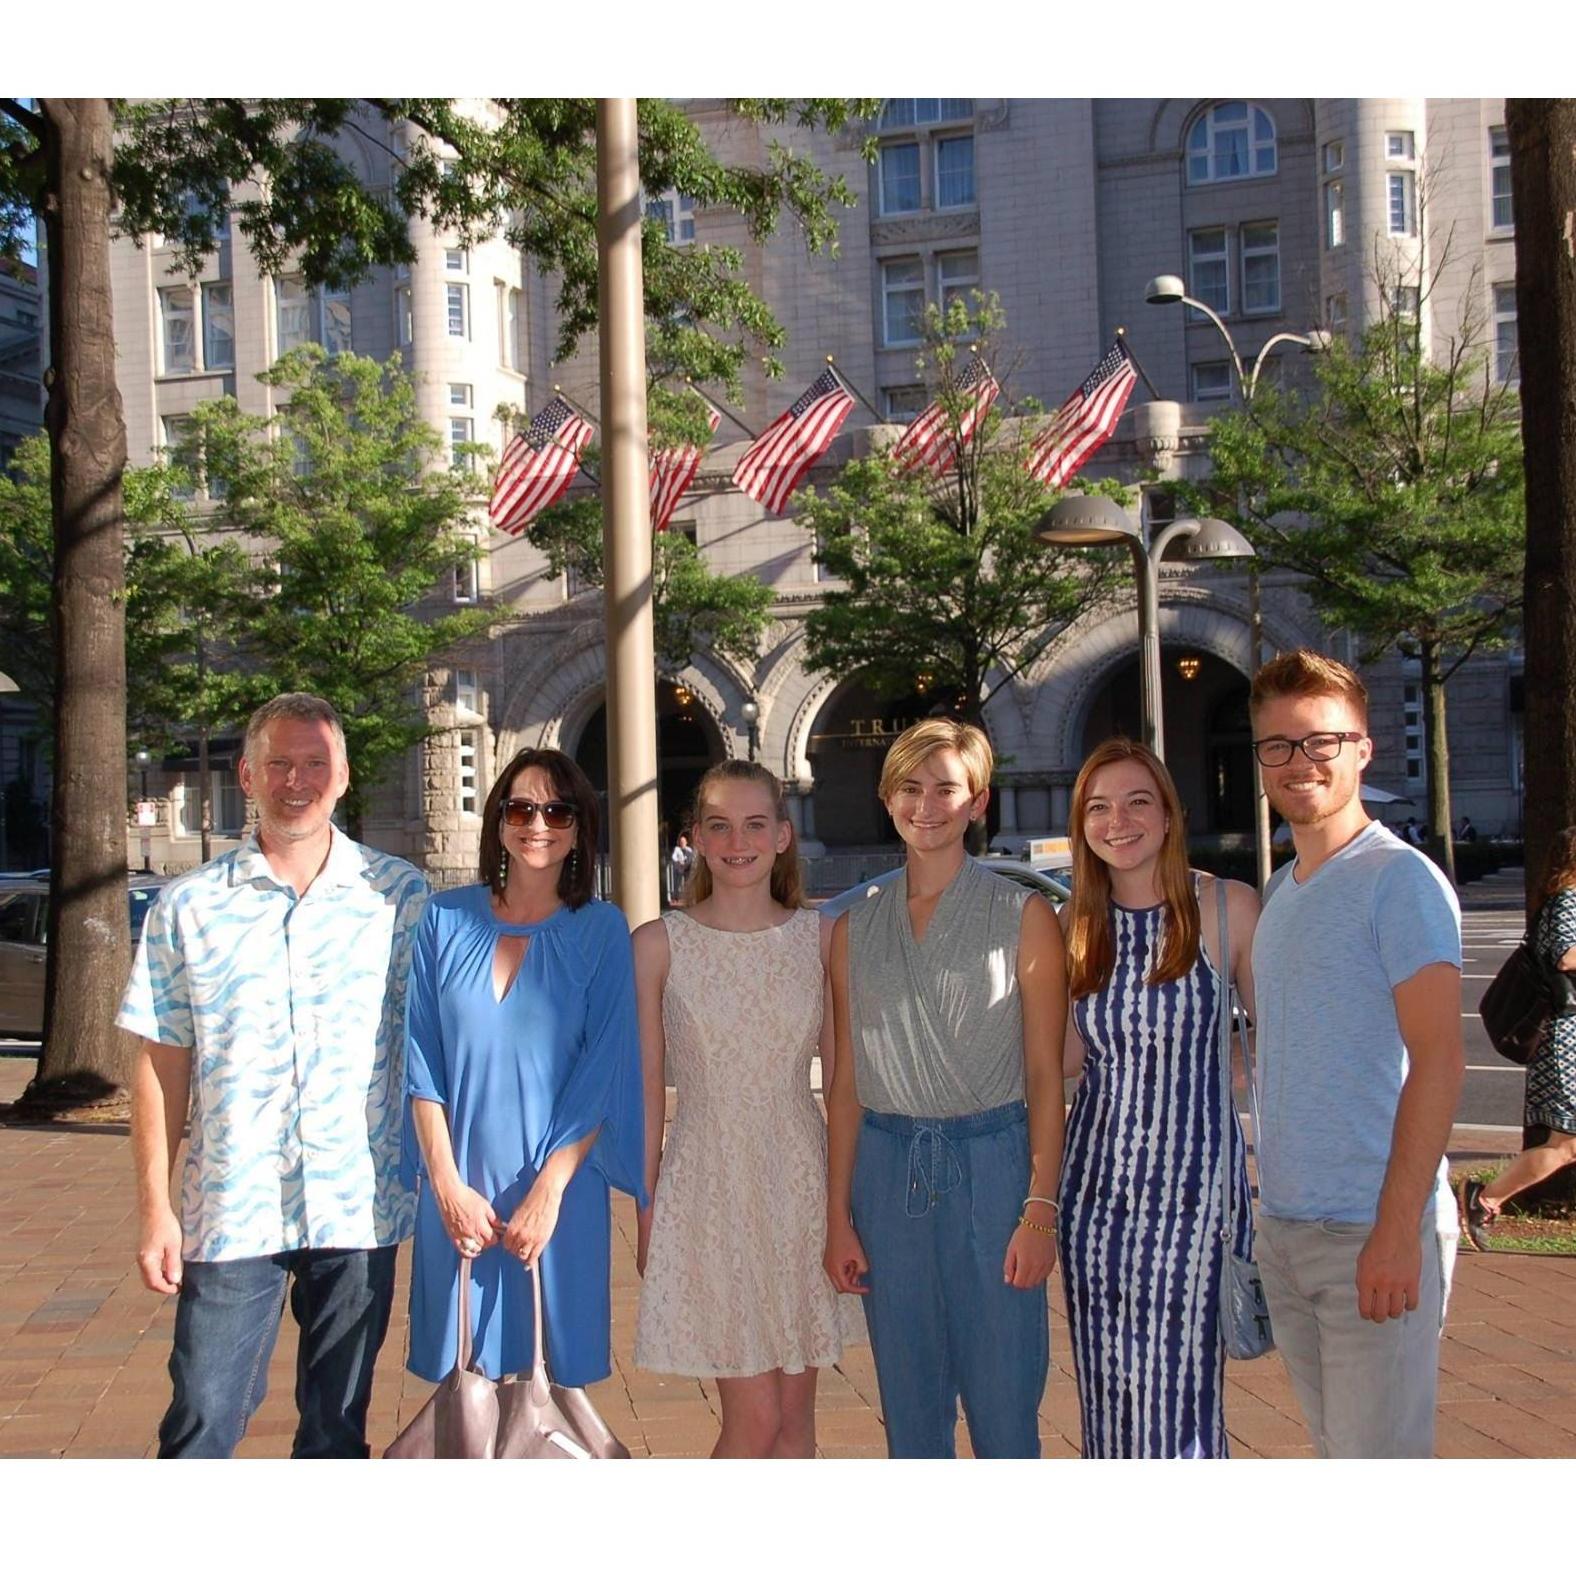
<point>1264,350</point>
<point>1157,548</point>
<point>1225,334</point>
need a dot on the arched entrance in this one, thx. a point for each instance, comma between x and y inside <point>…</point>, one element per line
<point>846,747</point>
<point>688,742</point>
<point>1208,739</point>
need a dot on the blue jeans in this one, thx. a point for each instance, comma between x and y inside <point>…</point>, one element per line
<point>226,1323</point>
<point>935,1203</point>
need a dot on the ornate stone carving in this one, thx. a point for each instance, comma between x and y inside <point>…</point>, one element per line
<point>925,227</point>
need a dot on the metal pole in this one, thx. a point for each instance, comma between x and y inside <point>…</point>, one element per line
<point>626,519</point>
<point>1261,804</point>
<point>1148,573</point>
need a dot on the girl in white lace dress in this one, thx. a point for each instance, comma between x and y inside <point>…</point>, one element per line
<point>732,993</point>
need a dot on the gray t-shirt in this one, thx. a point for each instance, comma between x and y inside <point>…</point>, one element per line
<point>1327,955</point>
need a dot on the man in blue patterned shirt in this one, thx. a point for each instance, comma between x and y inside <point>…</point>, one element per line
<point>269,992</point>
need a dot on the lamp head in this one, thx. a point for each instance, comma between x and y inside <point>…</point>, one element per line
<point>1086,521</point>
<point>1215,539</point>
<point>1164,290</point>
<point>750,711</point>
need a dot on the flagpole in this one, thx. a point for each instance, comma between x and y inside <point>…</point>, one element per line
<point>722,410</point>
<point>1138,366</point>
<point>843,378</point>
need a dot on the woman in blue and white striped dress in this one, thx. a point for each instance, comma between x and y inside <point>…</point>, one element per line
<point>1140,1197</point>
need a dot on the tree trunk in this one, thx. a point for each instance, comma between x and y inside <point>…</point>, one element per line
<point>1436,732</point>
<point>85,1058</point>
<point>1543,182</point>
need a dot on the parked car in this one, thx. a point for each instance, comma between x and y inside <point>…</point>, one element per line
<point>1050,884</point>
<point>24,944</point>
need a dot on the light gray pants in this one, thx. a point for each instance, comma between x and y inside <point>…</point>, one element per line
<point>1365,1389</point>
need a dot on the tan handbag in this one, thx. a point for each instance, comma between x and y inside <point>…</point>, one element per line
<point>522,1417</point>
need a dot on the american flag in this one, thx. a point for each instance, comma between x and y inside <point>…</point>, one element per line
<point>672,470</point>
<point>932,439</point>
<point>776,462</point>
<point>538,465</point>
<point>1087,419</point>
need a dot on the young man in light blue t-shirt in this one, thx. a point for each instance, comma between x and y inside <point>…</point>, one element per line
<point>1357,965</point>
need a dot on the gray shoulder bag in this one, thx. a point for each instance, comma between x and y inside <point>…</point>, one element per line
<point>1244,1314</point>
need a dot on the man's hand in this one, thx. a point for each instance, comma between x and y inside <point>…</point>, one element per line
<point>844,1259</point>
<point>159,1252</point>
<point>1388,1272</point>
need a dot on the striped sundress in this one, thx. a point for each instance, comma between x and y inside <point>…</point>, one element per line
<point>1140,1206</point>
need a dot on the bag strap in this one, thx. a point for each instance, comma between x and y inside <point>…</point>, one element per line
<point>462,1356</point>
<point>540,1383</point>
<point>1228,1222</point>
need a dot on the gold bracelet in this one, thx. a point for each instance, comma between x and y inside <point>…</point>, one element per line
<point>1034,1225</point>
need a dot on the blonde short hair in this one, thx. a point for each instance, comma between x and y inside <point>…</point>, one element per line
<point>918,743</point>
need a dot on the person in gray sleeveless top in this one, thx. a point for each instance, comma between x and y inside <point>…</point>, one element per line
<point>945,1115</point>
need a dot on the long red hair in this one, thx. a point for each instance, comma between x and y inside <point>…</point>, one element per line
<point>1091,946</point>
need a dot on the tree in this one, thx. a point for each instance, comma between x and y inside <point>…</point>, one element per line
<point>352,526</point>
<point>1543,194</point>
<point>1396,489</point>
<point>692,607</point>
<point>175,167</point>
<point>943,578</point>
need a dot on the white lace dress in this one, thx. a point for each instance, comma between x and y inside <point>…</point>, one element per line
<point>734,1284</point>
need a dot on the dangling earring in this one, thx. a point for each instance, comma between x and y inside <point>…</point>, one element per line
<point>574,862</point>
<point>503,867</point>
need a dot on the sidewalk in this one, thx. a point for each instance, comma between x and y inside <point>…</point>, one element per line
<point>83,1347</point>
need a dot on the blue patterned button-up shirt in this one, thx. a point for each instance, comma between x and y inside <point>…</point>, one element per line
<point>294,1011</point>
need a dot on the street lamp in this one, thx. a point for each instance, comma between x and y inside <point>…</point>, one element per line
<point>1169,290</point>
<point>752,715</point>
<point>1095,521</point>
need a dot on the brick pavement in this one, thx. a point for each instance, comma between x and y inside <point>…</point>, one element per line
<point>83,1347</point>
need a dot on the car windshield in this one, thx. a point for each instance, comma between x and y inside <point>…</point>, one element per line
<point>141,900</point>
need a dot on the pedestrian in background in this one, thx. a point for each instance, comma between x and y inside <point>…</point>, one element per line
<point>1551,1073</point>
<point>945,1115</point>
<point>1357,973</point>
<point>269,992</point>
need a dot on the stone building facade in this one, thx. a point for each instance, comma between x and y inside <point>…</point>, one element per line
<point>1066,209</point>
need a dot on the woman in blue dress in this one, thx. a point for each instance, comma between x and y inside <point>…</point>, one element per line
<point>1140,1196</point>
<point>524,1086</point>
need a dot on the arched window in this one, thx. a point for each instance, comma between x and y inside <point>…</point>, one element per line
<point>924,112</point>
<point>1230,142</point>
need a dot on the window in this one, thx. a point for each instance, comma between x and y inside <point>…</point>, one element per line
<point>404,329</point>
<point>1335,313</point>
<point>178,320</point>
<point>1334,157</point>
<point>675,212</point>
<point>1212,380</point>
<point>469,742</point>
<point>1506,365</point>
<point>460,430</point>
<point>218,327</point>
<point>1231,142</point>
<point>1412,719</point>
<point>1334,214</point>
<point>957,273</point>
<point>924,112</point>
<point>904,404</point>
<point>459,319</point>
<point>900,178</point>
<point>460,395</point>
<point>1404,301</point>
<point>511,328</point>
<point>467,695</point>
<point>1402,220</point>
<point>455,261</point>
<point>1260,252</point>
<point>903,301</point>
<point>228,803</point>
<point>1209,269</point>
<point>465,587</point>
<point>1398,145</point>
<point>1499,177</point>
<point>177,429</point>
<point>301,315</point>
<point>954,172</point>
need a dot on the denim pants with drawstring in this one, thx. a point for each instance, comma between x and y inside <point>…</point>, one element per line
<point>935,1203</point>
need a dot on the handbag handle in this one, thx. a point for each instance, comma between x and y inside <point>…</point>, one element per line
<point>540,1383</point>
<point>1227,1192</point>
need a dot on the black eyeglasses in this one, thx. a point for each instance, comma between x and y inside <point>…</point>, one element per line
<point>556,813</point>
<point>1316,746</point>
